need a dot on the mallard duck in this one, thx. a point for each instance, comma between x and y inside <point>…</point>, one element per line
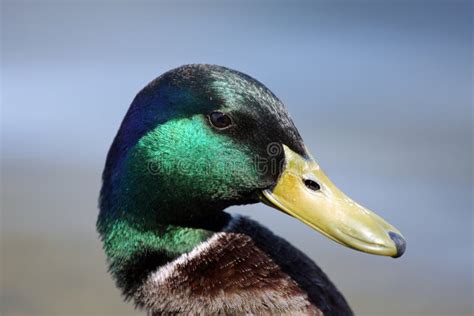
<point>196,140</point>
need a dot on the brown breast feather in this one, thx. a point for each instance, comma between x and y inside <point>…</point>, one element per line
<point>228,274</point>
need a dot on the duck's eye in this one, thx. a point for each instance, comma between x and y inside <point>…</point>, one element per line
<point>312,185</point>
<point>220,120</point>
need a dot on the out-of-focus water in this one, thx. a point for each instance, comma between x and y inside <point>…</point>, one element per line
<point>380,91</point>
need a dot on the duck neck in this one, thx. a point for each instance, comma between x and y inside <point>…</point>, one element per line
<point>137,245</point>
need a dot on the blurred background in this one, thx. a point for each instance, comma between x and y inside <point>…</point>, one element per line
<point>381,91</point>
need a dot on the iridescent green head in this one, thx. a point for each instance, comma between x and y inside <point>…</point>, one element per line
<point>195,140</point>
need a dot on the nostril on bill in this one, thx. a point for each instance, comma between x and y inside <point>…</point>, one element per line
<point>400,243</point>
<point>312,185</point>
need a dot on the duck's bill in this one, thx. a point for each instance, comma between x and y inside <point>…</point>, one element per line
<point>305,192</point>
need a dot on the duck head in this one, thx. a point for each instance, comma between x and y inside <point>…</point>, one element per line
<point>200,138</point>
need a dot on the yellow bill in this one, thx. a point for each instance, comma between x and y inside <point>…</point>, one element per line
<point>306,193</point>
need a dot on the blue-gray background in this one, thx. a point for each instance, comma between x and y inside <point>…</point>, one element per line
<point>380,91</point>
